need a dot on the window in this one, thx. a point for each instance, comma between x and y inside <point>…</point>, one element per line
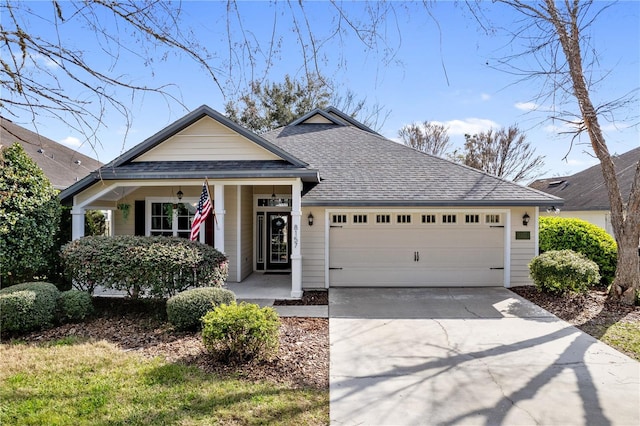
<point>448,218</point>
<point>172,220</point>
<point>403,218</point>
<point>359,218</point>
<point>428,218</point>
<point>339,218</point>
<point>274,202</point>
<point>383,218</point>
<point>492,218</point>
<point>471,218</point>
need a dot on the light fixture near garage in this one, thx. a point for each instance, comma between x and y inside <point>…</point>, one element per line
<point>310,219</point>
<point>525,219</point>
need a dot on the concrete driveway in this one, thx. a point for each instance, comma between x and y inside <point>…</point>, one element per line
<point>469,356</point>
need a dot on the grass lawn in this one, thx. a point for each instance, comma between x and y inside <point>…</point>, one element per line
<point>624,336</point>
<point>74,382</point>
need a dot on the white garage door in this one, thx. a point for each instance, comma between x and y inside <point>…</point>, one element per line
<point>416,249</point>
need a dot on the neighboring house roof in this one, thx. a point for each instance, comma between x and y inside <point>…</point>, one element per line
<point>62,165</point>
<point>360,167</point>
<point>586,190</point>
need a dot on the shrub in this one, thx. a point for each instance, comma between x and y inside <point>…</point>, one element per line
<point>28,306</point>
<point>185,310</point>
<point>557,233</point>
<point>29,216</point>
<point>154,266</point>
<point>243,332</point>
<point>563,270</point>
<point>74,305</point>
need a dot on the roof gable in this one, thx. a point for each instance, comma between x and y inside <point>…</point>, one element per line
<point>330,115</point>
<point>187,128</point>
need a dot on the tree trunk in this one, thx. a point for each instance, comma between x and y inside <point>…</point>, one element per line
<point>625,221</point>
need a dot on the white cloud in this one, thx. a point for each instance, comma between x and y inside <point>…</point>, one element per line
<point>527,106</point>
<point>561,128</point>
<point>48,62</point>
<point>71,141</point>
<point>485,96</point>
<point>469,126</point>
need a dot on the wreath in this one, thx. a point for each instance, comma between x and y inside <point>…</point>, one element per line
<point>278,223</point>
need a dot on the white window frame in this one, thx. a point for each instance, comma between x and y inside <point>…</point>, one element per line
<point>174,226</point>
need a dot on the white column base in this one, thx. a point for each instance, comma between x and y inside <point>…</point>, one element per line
<point>296,276</point>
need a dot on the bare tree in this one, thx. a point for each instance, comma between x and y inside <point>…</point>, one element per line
<point>432,138</point>
<point>558,39</point>
<point>504,153</point>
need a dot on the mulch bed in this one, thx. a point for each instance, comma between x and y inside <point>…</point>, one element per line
<point>308,298</point>
<point>591,312</point>
<point>140,327</point>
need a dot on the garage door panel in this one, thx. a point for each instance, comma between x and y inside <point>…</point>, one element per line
<point>416,255</point>
<point>442,277</point>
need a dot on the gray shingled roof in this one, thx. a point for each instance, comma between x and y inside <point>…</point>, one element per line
<point>62,165</point>
<point>361,168</point>
<point>585,190</point>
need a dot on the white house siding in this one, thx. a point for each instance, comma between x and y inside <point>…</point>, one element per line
<point>522,251</point>
<point>313,248</point>
<point>207,139</point>
<point>601,218</point>
<point>247,231</point>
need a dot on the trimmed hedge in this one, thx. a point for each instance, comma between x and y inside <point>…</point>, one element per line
<point>562,271</point>
<point>185,310</point>
<point>28,306</point>
<point>150,266</point>
<point>558,233</point>
<point>239,333</point>
<point>74,305</point>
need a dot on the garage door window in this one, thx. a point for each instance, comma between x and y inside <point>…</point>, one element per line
<point>471,218</point>
<point>383,218</point>
<point>492,218</point>
<point>449,218</point>
<point>403,218</point>
<point>428,218</point>
<point>339,218</point>
<point>359,218</point>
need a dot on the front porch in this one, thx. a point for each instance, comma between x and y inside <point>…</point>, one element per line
<point>255,223</point>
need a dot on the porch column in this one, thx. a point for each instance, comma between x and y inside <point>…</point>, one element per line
<point>77,223</point>
<point>296,257</point>
<point>218,233</point>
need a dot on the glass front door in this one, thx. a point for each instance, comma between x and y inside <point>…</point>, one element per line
<point>278,240</point>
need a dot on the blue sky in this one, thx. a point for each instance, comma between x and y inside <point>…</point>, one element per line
<point>442,70</point>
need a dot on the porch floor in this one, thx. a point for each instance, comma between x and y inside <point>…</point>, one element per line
<point>262,287</point>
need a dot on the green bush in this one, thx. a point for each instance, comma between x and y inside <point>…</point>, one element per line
<point>557,233</point>
<point>239,333</point>
<point>28,306</point>
<point>562,271</point>
<point>185,310</point>
<point>150,266</point>
<point>29,217</point>
<point>74,305</point>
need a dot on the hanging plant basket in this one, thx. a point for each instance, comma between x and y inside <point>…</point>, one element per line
<point>125,208</point>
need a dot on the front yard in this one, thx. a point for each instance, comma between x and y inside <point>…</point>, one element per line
<point>127,366</point>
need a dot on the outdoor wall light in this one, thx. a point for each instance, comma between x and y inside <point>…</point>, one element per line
<point>310,219</point>
<point>180,194</point>
<point>525,219</point>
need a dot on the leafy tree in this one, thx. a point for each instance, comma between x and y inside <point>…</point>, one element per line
<point>428,137</point>
<point>270,105</point>
<point>29,216</point>
<point>558,37</point>
<point>504,153</point>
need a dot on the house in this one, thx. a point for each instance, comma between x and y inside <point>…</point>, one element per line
<point>62,165</point>
<point>325,199</point>
<point>585,194</point>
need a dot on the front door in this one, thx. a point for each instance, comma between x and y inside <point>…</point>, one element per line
<point>278,240</point>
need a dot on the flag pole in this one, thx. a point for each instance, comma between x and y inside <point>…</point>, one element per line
<point>215,220</point>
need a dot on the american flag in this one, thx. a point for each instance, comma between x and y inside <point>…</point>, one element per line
<point>203,210</point>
